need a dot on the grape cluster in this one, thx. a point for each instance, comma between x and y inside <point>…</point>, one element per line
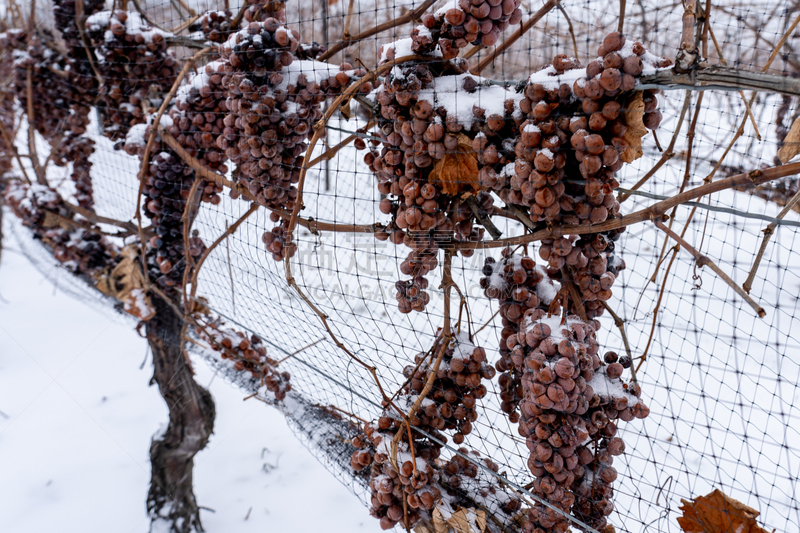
<point>460,476</point>
<point>198,120</point>
<point>78,149</point>
<point>427,162</point>
<point>261,10</point>
<point>457,386</point>
<point>7,111</point>
<point>166,189</point>
<point>51,109</point>
<point>135,64</point>
<point>272,102</point>
<point>249,354</point>
<point>477,22</point>
<point>216,25</point>
<point>79,249</point>
<point>612,400</point>
<point>410,484</point>
<point>519,285</point>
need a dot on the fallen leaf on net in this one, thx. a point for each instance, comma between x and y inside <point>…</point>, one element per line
<point>718,513</point>
<point>636,129</point>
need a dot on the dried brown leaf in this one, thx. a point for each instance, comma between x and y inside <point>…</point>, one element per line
<point>791,144</point>
<point>465,520</point>
<point>718,513</point>
<point>636,129</point>
<point>126,284</point>
<point>457,171</point>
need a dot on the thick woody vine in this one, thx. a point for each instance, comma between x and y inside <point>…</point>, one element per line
<point>544,152</point>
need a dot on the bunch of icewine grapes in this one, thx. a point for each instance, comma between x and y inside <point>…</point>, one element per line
<point>198,120</point>
<point>51,107</point>
<point>166,188</point>
<point>78,149</point>
<point>249,354</point>
<point>135,63</point>
<point>519,285</point>
<point>460,476</point>
<point>80,250</point>
<point>410,485</point>
<point>261,10</point>
<point>477,22</point>
<point>83,82</point>
<point>272,102</point>
<point>612,400</point>
<point>216,25</point>
<point>427,161</point>
<point>7,111</point>
<point>450,404</point>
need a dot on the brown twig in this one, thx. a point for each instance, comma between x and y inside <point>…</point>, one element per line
<point>566,277</point>
<point>346,33</point>
<point>230,231</point>
<point>621,24</point>
<point>79,22</point>
<point>185,24</point>
<point>755,177</point>
<point>144,16</point>
<point>703,260</point>
<point>511,39</point>
<point>412,15</point>
<point>97,219</point>
<point>768,232</point>
<point>621,326</point>
<point>14,151</point>
<point>330,152</point>
<point>37,168</point>
<point>572,30</point>
<point>741,93</point>
<point>300,350</point>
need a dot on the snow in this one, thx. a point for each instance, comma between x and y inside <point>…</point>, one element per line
<point>77,416</point>
<point>448,92</point>
<point>134,24</point>
<point>546,289</point>
<point>548,78</point>
<point>612,388</point>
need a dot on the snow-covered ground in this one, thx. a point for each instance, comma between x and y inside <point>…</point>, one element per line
<point>77,415</point>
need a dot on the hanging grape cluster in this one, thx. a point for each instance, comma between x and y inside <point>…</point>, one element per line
<point>456,385</point>
<point>427,165</point>
<point>248,354</point>
<point>402,485</point>
<point>519,285</point>
<point>477,22</point>
<point>216,25</point>
<point>272,102</point>
<point>136,65</point>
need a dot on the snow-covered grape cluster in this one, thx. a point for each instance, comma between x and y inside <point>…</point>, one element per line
<point>273,99</point>
<point>136,65</point>
<point>457,24</point>
<point>457,386</point>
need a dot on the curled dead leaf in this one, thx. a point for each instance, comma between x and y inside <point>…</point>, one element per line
<point>718,513</point>
<point>464,520</point>
<point>457,172</point>
<point>791,144</point>
<point>636,130</point>
<point>125,282</point>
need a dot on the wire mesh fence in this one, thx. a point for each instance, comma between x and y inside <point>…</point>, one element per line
<point>332,302</point>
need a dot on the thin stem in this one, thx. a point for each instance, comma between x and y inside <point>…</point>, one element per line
<point>412,15</point>
<point>768,232</point>
<point>703,260</point>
